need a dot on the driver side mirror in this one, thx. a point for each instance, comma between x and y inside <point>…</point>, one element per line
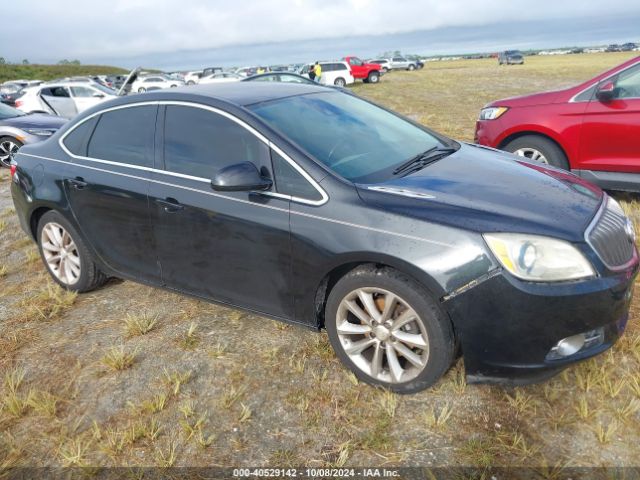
<point>606,91</point>
<point>240,177</point>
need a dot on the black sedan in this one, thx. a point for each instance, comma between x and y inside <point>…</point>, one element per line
<point>17,129</point>
<point>313,206</point>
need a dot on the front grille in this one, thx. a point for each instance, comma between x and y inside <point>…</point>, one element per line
<point>610,238</point>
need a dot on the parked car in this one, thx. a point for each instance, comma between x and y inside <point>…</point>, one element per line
<point>24,83</point>
<point>63,99</point>
<point>220,78</point>
<point>211,70</point>
<point>401,63</point>
<point>18,129</point>
<point>246,71</point>
<point>385,64</point>
<point>115,81</point>
<point>367,72</point>
<point>510,57</point>
<point>614,47</point>
<point>191,78</point>
<point>9,93</point>
<point>628,47</point>
<point>284,77</point>
<point>313,206</point>
<point>592,129</point>
<point>154,82</point>
<point>333,73</point>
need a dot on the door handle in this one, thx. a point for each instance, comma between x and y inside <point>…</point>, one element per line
<point>170,205</point>
<point>78,183</point>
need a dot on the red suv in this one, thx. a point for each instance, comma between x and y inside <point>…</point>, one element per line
<point>592,129</point>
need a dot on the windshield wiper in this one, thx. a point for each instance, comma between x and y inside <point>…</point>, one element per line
<point>423,159</point>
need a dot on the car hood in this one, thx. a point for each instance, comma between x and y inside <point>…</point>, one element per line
<point>35,120</point>
<point>484,190</point>
<point>544,98</point>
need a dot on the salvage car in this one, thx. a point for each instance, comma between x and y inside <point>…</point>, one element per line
<point>313,206</point>
<point>18,128</point>
<point>65,99</point>
<point>592,129</point>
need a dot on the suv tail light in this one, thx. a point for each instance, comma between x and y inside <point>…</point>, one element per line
<point>19,103</point>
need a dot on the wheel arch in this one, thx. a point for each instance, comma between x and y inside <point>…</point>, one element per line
<point>523,133</point>
<point>34,219</point>
<point>341,268</point>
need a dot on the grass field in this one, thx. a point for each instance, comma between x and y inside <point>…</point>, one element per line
<point>132,376</point>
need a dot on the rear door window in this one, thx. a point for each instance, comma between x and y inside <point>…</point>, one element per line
<point>125,135</point>
<point>199,142</point>
<point>78,139</point>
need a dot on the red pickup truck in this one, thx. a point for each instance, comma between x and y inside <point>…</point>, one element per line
<point>367,72</point>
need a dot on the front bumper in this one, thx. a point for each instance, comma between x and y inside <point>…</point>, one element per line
<point>507,327</point>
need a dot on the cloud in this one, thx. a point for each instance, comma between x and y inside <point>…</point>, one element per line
<point>127,28</point>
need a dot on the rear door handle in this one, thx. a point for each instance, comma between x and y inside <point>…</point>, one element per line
<point>78,183</point>
<point>170,205</point>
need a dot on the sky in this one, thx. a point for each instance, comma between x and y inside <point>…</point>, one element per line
<point>184,34</point>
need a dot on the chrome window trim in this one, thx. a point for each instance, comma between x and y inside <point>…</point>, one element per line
<point>235,199</point>
<point>573,99</point>
<point>592,225</point>
<point>324,196</point>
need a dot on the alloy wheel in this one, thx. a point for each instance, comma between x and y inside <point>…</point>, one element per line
<point>60,253</point>
<point>382,335</point>
<point>532,154</point>
<point>8,148</point>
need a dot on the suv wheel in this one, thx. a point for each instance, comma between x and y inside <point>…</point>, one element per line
<point>8,148</point>
<point>340,82</point>
<point>388,330</point>
<point>412,67</point>
<point>65,255</point>
<point>373,77</point>
<point>540,149</point>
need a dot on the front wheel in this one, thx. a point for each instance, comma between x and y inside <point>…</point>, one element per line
<point>65,255</point>
<point>8,148</point>
<point>388,330</point>
<point>373,77</point>
<point>539,149</point>
<point>340,82</point>
<point>142,90</point>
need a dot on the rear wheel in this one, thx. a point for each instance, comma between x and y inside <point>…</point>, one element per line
<point>142,90</point>
<point>8,148</point>
<point>373,77</point>
<point>540,149</point>
<point>340,82</point>
<point>65,255</point>
<point>412,67</point>
<point>388,330</point>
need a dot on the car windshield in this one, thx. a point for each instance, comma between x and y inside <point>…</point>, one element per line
<point>8,112</point>
<point>356,139</point>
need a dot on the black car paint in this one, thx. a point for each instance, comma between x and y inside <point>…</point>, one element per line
<point>35,120</point>
<point>278,257</point>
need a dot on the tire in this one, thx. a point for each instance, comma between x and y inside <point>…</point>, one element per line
<point>373,77</point>
<point>527,145</point>
<point>8,147</point>
<point>427,324</point>
<point>340,82</point>
<point>142,90</point>
<point>385,70</point>
<point>86,276</point>
<point>412,67</point>
<point>191,82</point>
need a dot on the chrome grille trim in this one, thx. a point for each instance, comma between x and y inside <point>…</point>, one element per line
<point>608,238</point>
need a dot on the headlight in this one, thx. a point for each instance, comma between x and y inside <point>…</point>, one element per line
<point>491,113</point>
<point>538,259</point>
<point>39,132</point>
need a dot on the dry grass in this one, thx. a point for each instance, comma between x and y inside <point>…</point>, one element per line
<point>215,386</point>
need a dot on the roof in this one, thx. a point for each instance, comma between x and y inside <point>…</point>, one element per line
<point>237,93</point>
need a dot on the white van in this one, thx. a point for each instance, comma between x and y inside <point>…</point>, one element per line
<point>336,73</point>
